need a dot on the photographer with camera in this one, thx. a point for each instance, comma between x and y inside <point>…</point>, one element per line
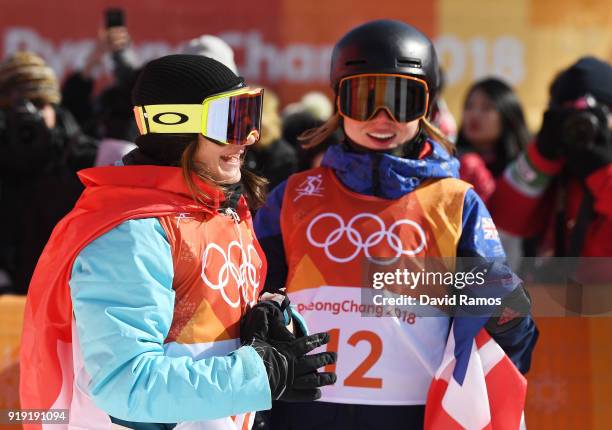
<point>560,188</point>
<point>41,149</point>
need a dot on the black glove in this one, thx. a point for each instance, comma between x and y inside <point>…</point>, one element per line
<point>277,324</point>
<point>292,374</point>
<point>514,307</point>
<point>549,140</point>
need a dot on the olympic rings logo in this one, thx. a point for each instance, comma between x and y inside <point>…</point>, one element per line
<point>360,243</point>
<point>245,275</point>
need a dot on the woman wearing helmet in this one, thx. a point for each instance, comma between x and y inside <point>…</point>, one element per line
<point>133,313</point>
<point>388,190</point>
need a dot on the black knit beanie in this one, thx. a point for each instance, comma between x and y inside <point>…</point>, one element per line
<point>178,79</point>
<point>588,75</point>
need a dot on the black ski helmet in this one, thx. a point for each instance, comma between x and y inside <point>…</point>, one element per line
<point>386,46</point>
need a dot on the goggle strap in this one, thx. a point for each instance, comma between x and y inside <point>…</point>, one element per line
<point>143,126</point>
<point>146,119</point>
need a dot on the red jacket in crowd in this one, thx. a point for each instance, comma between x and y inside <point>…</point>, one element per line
<point>531,191</point>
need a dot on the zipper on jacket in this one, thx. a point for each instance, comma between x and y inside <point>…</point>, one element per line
<point>376,159</point>
<point>231,213</point>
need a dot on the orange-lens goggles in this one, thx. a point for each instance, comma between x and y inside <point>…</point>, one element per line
<point>405,98</point>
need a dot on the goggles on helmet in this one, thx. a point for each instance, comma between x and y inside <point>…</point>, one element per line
<point>227,118</point>
<point>405,98</point>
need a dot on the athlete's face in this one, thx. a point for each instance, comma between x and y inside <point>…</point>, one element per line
<point>222,162</point>
<point>381,132</point>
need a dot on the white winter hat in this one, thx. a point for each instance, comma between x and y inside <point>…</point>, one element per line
<point>212,47</point>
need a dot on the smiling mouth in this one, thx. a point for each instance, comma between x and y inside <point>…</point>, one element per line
<point>383,137</point>
<point>235,158</point>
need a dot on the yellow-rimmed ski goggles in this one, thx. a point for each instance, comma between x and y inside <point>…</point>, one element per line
<point>405,98</point>
<point>233,117</point>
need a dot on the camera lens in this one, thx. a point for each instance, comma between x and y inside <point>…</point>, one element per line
<point>580,129</point>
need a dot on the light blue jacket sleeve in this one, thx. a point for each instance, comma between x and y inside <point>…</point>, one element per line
<point>123,302</point>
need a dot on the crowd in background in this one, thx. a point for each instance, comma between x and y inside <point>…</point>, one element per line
<point>549,193</point>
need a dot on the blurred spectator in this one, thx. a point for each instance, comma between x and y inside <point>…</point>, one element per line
<point>117,127</point>
<point>493,133</point>
<point>309,113</point>
<point>297,123</point>
<point>560,188</point>
<point>41,148</point>
<point>315,103</point>
<point>271,157</point>
<point>109,116</point>
<point>77,91</point>
<point>211,47</point>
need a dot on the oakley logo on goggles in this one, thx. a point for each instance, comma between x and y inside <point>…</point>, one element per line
<point>405,98</point>
<point>228,118</point>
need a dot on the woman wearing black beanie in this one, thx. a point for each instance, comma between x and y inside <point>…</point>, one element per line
<point>134,309</point>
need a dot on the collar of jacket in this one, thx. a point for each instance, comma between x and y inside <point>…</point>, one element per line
<point>386,175</point>
<point>163,179</point>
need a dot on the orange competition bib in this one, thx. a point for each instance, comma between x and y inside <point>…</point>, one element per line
<point>330,235</point>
